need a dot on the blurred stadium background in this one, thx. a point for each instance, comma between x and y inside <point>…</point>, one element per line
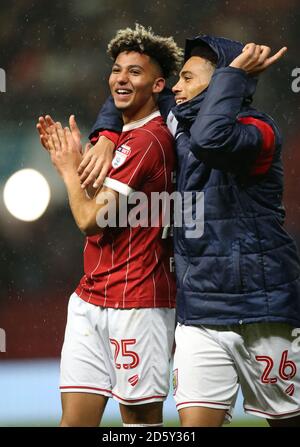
<point>54,56</point>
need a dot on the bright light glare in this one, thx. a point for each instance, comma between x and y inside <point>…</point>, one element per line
<point>26,195</point>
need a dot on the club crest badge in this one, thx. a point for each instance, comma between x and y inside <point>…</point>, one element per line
<point>121,155</point>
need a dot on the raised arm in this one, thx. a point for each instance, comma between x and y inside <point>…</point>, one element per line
<point>218,136</point>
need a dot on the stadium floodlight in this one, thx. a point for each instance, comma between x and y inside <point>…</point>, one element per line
<point>26,195</point>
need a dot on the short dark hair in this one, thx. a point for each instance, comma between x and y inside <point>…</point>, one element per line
<point>203,50</point>
<point>163,50</point>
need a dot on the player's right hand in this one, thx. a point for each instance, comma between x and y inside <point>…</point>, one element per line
<point>96,163</point>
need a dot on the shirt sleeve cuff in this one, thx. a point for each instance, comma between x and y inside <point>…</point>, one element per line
<point>118,186</point>
<point>111,135</point>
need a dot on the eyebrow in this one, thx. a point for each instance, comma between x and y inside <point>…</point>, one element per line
<point>183,73</point>
<point>129,66</point>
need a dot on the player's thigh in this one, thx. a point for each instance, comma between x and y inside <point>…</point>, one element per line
<point>289,422</point>
<point>151,413</point>
<point>82,409</point>
<point>201,417</point>
<point>204,377</point>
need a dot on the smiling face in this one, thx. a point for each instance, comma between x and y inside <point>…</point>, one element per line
<point>193,79</point>
<point>134,82</point>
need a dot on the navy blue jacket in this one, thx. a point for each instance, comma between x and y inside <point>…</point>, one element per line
<point>245,267</point>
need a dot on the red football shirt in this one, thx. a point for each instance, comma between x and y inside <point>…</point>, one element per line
<point>131,267</point>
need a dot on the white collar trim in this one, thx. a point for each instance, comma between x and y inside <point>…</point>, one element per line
<point>141,122</point>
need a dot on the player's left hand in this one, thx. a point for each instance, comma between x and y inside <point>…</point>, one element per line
<point>64,150</point>
<point>43,126</point>
<point>96,163</point>
<point>254,59</point>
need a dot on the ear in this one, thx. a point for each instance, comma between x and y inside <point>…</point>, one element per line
<point>159,85</point>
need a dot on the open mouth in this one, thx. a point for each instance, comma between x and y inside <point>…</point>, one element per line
<point>180,100</point>
<point>123,92</point>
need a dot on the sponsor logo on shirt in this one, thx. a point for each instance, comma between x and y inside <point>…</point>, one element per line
<point>121,155</point>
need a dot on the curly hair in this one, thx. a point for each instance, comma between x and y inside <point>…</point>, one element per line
<point>163,50</point>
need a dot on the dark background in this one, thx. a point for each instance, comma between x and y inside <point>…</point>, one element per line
<point>54,55</point>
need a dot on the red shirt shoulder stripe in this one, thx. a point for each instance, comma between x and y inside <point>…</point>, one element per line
<point>265,157</point>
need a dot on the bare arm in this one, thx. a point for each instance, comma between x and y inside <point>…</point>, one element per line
<point>87,211</point>
<point>66,158</point>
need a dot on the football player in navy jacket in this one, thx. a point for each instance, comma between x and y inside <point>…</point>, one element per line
<point>238,289</point>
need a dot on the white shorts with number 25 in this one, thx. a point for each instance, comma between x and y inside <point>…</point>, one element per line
<point>119,353</point>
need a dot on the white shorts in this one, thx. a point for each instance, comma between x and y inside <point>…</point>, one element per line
<point>119,353</point>
<point>210,363</point>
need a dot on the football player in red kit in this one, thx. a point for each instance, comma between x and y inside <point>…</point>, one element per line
<point>121,318</point>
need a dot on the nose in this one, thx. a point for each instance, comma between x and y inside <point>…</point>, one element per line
<point>122,77</point>
<point>177,87</point>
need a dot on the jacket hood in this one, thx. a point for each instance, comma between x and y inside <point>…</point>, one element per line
<point>225,49</point>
